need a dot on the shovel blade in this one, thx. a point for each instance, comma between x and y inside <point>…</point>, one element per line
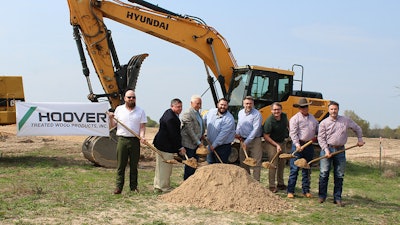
<point>268,165</point>
<point>191,163</point>
<point>250,162</point>
<point>202,151</point>
<point>171,161</point>
<point>302,163</point>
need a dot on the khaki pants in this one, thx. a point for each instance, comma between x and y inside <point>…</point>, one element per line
<point>163,171</point>
<point>275,173</point>
<point>254,150</point>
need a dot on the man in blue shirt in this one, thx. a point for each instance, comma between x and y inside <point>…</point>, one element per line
<point>249,132</point>
<point>220,131</point>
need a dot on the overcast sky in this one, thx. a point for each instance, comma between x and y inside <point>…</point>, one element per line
<point>350,51</point>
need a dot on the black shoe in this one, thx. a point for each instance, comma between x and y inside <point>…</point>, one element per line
<point>117,191</point>
<point>321,200</point>
<point>339,203</point>
<point>135,190</point>
<point>282,187</point>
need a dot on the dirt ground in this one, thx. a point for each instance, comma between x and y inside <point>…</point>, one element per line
<point>375,150</point>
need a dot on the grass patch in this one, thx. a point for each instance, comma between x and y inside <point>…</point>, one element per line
<point>50,188</point>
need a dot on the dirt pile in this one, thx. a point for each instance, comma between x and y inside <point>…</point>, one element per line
<point>226,187</point>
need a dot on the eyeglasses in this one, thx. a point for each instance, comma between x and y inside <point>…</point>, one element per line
<point>130,97</point>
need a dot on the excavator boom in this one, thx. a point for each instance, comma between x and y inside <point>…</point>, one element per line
<point>266,85</point>
<point>187,32</point>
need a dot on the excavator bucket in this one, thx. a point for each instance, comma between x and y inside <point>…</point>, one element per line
<point>101,151</point>
<point>128,74</point>
<point>133,70</point>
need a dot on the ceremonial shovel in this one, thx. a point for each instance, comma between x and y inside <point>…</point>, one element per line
<point>302,163</point>
<point>289,156</point>
<point>170,161</point>
<point>248,161</point>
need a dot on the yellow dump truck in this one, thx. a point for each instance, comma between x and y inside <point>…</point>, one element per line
<point>11,91</point>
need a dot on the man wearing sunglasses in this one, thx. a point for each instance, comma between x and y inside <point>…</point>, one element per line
<point>128,146</point>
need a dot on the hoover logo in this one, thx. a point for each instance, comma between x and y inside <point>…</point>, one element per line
<point>61,119</point>
<point>69,117</point>
<point>26,117</point>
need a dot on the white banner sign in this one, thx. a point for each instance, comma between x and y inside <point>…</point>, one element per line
<point>62,119</point>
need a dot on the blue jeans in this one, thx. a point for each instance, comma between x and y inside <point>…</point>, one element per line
<point>339,164</point>
<point>308,154</point>
<point>189,171</point>
<point>224,151</point>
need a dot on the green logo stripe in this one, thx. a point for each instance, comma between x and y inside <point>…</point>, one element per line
<point>26,117</point>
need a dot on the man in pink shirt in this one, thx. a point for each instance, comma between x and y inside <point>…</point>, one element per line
<point>303,128</point>
<point>332,136</point>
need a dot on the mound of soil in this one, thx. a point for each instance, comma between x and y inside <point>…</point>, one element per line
<point>226,187</point>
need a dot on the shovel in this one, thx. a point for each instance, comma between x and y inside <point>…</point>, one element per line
<point>289,156</point>
<point>170,161</point>
<point>215,152</point>
<point>248,161</point>
<point>192,162</point>
<point>302,163</point>
<point>202,151</point>
<point>269,165</point>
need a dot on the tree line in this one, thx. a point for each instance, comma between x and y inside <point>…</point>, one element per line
<point>375,132</point>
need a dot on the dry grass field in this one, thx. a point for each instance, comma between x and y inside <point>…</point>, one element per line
<point>375,152</point>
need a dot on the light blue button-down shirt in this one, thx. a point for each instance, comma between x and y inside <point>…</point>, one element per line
<point>220,128</point>
<point>249,125</point>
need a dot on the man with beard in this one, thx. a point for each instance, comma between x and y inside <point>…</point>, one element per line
<point>128,146</point>
<point>220,131</point>
<point>332,136</point>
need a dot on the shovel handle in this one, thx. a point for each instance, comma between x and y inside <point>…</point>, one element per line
<point>273,158</point>
<point>302,147</point>
<point>215,152</point>
<point>244,149</point>
<point>335,153</point>
<point>305,145</point>
<point>140,138</point>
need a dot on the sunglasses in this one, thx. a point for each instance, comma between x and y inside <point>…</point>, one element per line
<point>130,97</point>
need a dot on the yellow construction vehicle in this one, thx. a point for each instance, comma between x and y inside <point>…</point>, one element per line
<point>266,85</point>
<point>11,91</point>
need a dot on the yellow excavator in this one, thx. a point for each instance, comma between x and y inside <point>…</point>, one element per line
<point>266,85</point>
<point>11,91</point>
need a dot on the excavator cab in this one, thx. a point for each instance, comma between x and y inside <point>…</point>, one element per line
<point>265,85</point>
